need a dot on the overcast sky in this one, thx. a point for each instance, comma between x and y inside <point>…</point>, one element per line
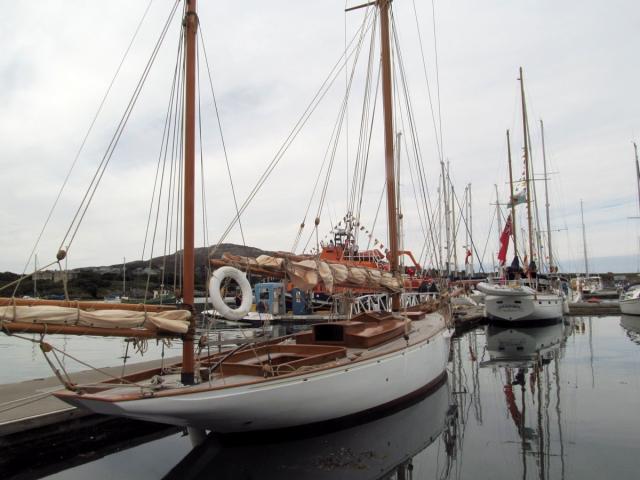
<point>268,60</point>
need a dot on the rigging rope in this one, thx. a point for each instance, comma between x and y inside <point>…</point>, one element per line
<point>366,135</point>
<point>473,245</point>
<point>414,135</point>
<point>311,107</point>
<point>205,222</point>
<point>171,120</point>
<point>426,77</point>
<point>342,114</point>
<point>46,347</point>
<point>95,181</point>
<point>224,145</point>
<point>81,148</point>
<point>176,162</point>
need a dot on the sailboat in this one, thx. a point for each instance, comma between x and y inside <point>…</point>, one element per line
<point>336,370</point>
<point>630,300</point>
<point>520,300</point>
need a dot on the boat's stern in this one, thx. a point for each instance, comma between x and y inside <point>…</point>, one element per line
<point>508,307</point>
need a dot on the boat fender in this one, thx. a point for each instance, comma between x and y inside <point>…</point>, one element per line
<point>216,298</point>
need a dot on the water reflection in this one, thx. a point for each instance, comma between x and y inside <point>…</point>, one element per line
<point>553,402</point>
<point>382,448</point>
<point>522,347</point>
<point>528,359</point>
<point>631,323</point>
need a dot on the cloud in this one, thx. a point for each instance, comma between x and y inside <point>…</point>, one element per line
<point>267,62</point>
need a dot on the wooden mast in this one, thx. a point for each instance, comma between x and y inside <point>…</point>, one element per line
<point>387,103</point>
<point>512,202</point>
<point>188,272</point>
<point>526,165</point>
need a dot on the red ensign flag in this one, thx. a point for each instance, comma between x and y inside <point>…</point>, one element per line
<point>504,241</point>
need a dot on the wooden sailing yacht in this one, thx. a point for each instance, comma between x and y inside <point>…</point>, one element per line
<point>336,370</point>
<point>520,301</point>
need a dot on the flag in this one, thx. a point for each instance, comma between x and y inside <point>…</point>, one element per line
<point>467,256</point>
<point>520,194</point>
<point>520,191</point>
<point>504,241</point>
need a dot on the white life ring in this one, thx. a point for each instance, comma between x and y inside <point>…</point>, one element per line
<point>217,300</point>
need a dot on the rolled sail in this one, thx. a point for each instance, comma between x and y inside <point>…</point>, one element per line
<point>173,321</point>
<point>307,273</point>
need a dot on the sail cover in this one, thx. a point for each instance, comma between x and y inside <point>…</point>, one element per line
<point>174,321</point>
<point>308,273</point>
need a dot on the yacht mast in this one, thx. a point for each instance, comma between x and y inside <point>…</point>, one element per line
<point>35,277</point>
<point>498,212</point>
<point>635,149</point>
<point>445,206</point>
<point>454,232</point>
<point>584,242</point>
<point>546,199</point>
<point>398,199</point>
<point>526,164</point>
<point>188,273</point>
<point>468,268</point>
<point>387,103</point>
<point>512,202</point>
<point>470,230</point>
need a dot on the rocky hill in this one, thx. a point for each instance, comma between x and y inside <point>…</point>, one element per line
<point>101,281</point>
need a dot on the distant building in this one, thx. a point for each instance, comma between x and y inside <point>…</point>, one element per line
<point>55,276</point>
<point>46,275</point>
<point>146,271</point>
<point>103,270</point>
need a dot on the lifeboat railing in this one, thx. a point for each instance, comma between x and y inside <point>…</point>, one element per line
<point>380,302</point>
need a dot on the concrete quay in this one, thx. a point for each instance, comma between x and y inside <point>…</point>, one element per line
<point>594,308</point>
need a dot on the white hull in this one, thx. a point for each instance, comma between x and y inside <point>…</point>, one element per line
<point>630,306</point>
<point>298,400</point>
<point>518,309</point>
<point>526,307</point>
<point>395,439</point>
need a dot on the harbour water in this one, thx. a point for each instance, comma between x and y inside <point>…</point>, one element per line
<point>553,402</point>
<point>23,360</point>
